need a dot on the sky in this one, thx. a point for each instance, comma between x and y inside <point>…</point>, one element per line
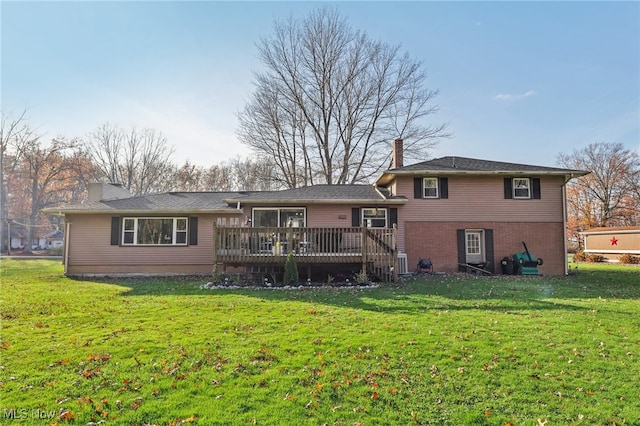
<point>518,81</point>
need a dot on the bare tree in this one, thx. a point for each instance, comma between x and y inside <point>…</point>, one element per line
<point>139,160</point>
<point>238,174</point>
<point>610,194</point>
<point>45,176</point>
<point>331,101</point>
<point>13,132</point>
<point>254,174</point>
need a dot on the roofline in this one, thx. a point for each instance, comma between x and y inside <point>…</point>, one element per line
<point>320,201</point>
<point>63,212</point>
<point>388,175</point>
<point>611,231</point>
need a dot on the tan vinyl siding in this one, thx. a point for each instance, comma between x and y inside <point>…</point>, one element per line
<point>613,242</point>
<point>482,198</point>
<point>329,216</point>
<point>319,215</point>
<point>90,250</point>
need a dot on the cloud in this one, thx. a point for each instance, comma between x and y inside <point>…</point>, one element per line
<point>514,96</point>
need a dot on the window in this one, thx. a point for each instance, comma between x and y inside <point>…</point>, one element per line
<point>473,246</point>
<point>430,187</point>
<point>274,217</point>
<point>521,188</point>
<point>374,218</point>
<point>154,231</point>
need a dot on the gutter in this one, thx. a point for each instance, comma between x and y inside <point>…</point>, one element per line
<point>65,253</point>
<point>297,202</point>
<point>63,212</point>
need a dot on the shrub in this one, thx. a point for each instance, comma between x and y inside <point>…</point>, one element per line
<point>361,278</point>
<point>291,270</point>
<point>579,256</point>
<point>629,259</point>
<point>55,251</point>
<point>595,258</point>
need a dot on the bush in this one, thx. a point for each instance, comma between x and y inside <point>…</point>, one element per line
<point>55,251</point>
<point>361,278</point>
<point>579,256</point>
<point>291,270</point>
<point>595,258</point>
<point>629,259</point>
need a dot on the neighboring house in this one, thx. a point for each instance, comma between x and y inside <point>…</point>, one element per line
<point>454,210</point>
<point>612,242</point>
<point>54,239</point>
<point>18,239</point>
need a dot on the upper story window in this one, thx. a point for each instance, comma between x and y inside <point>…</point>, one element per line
<point>374,218</point>
<point>154,231</point>
<point>521,188</point>
<point>430,187</point>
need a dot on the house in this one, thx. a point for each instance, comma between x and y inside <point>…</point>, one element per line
<point>612,242</point>
<point>456,211</point>
<point>17,238</point>
<point>54,239</point>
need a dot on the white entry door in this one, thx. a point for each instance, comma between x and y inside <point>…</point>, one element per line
<point>474,249</point>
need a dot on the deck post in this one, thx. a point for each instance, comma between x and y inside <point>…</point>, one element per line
<point>364,248</point>
<point>215,247</point>
<point>394,252</point>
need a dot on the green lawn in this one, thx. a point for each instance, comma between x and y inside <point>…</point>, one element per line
<point>437,350</point>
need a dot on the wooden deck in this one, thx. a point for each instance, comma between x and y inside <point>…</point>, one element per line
<point>374,249</point>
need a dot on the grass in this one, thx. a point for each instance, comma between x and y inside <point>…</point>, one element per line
<point>437,350</point>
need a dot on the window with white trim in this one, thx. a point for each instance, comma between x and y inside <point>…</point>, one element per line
<point>473,242</point>
<point>430,187</point>
<point>149,231</point>
<point>522,188</point>
<point>374,218</point>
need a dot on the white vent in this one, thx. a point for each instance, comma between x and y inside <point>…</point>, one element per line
<point>403,267</point>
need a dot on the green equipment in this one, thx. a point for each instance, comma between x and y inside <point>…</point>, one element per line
<point>525,264</point>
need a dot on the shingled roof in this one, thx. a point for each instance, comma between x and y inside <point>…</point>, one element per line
<point>321,193</point>
<point>226,202</point>
<point>170,202</point>
<point>462,165</point>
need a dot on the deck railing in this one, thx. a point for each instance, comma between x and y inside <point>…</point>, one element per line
<point>374,248</point>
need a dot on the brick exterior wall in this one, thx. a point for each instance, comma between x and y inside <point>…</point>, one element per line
<point>438,241</point>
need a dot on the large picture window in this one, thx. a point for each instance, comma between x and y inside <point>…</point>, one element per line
<point>154,231</point>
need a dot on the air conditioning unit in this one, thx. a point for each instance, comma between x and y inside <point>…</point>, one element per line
<point>403,267</point>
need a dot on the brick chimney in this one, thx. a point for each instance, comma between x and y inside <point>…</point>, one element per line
<point>398,160</point>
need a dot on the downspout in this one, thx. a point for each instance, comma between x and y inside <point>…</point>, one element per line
<point>65,253</point>
<point>564,223</point>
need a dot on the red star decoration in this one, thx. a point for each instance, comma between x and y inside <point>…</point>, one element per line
<point>614,241</point>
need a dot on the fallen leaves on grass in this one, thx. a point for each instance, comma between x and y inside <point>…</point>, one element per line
<point>65,415</point>
<point>178,422</point>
